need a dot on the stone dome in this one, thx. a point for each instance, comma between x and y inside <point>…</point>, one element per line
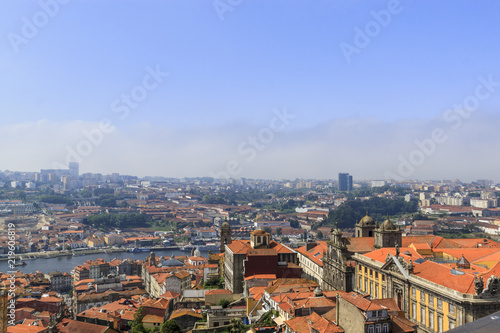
<point>225,225</point>
<point>366,221</point>
<point>172,262</point>
<point>387,225</point>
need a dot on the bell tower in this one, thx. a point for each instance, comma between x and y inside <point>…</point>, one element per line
<point>225,236</point>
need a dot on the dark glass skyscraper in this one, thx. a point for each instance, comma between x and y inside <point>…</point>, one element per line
<point>345,182</point>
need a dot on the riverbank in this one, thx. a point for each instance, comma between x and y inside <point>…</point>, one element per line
<point>66,253</point>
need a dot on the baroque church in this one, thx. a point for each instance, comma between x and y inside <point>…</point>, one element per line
<point>338,268</point>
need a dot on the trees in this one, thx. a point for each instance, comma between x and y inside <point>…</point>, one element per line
<point>351,211</point>
<point>319,235</point>
<point>214,283</point>
<point>224,302</point>
<point>106,200</point>
<point>136,324</point>
<point>116,220</point>
<point>170,326</point>
<point>236,326</point>
<point>294,223</point>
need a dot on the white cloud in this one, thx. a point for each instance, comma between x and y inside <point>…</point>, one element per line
<point>366,148</point>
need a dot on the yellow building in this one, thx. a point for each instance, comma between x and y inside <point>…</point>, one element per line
<point>95,241</point>
<point>434,293</point>
<point>113,240</point>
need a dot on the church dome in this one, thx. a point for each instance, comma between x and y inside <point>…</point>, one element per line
<point>172,262</point>
<point>366,221</point>
<point>225,225</point>
<point>387,225</point>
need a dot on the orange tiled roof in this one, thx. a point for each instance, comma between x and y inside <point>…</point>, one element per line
<point>218,292</point>
<point>315,321</point>
<point>316,253</point>
<point>152,319</point>
<point>239,246</point>
<point>170,294</point>
<point>72,326</point>
<point>442,275</point>
<point>360,244</point>
<point>184,312</point>
<point>473,254</point>
<point>24,328</point>
<point>261,276</point>
<point>361,302</point>
<point>476,242</point>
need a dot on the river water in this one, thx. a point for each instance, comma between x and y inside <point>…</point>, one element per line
<point>67,263</point>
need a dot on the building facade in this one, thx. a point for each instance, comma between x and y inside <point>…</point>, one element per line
<point>435,296</point>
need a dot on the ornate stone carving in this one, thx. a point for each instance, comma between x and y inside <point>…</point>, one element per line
<point>491,285</point>
<point>478,284</point>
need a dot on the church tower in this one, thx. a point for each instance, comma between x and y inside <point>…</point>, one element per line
<point>225,236</point>
<point>387,235</point>
<point>338,274</point>
<point>365,227</point>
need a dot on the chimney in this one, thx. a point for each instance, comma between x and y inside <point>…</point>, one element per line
<point>310,245</point>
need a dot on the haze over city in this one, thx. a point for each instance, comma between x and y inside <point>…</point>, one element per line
<point>256,89</point>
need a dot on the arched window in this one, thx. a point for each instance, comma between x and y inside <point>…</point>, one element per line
<point>258,239</point>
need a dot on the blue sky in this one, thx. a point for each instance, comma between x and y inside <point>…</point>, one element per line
<point>230,64</point>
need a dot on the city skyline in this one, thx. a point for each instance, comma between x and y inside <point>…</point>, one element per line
<point>386,89</point>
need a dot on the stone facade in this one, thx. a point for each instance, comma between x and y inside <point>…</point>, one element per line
<point>434,307</point>
<point>338,274</point>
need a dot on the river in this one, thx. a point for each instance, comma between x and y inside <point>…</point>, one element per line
<point>67,263</point>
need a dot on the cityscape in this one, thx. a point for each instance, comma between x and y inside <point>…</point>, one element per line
<point>232,166</point>
<point>122,253</point>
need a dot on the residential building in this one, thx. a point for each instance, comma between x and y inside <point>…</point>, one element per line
<point>311,260</point>
<point>60,282</point>
<point>259,255</point>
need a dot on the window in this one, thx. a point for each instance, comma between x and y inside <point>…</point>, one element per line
<point>378,328</point>
<point>414,311</point>
<point>452,324</point>
<point>371,288</point>
<point>384,292</point>
<point>422,297</point>
<point>440,304</point>
<point>431,300</point>
<point>451,309</point>
<point>386,328</point>
<point>440,324</point>
<point>376,290</point>
<point>371,273</point>
<point>366,285</point>
<point>422,315</point>
<point>376,275</point>
<point>370,329</point>
<point>431,319</point>
<point>383,277</point>
<point>359,267</point>
<point>360,285</point>
<point>413,292</point>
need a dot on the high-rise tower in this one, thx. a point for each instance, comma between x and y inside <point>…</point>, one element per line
<point>345,182</point>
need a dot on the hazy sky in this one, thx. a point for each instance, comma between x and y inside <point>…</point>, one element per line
<point>257,89</point>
